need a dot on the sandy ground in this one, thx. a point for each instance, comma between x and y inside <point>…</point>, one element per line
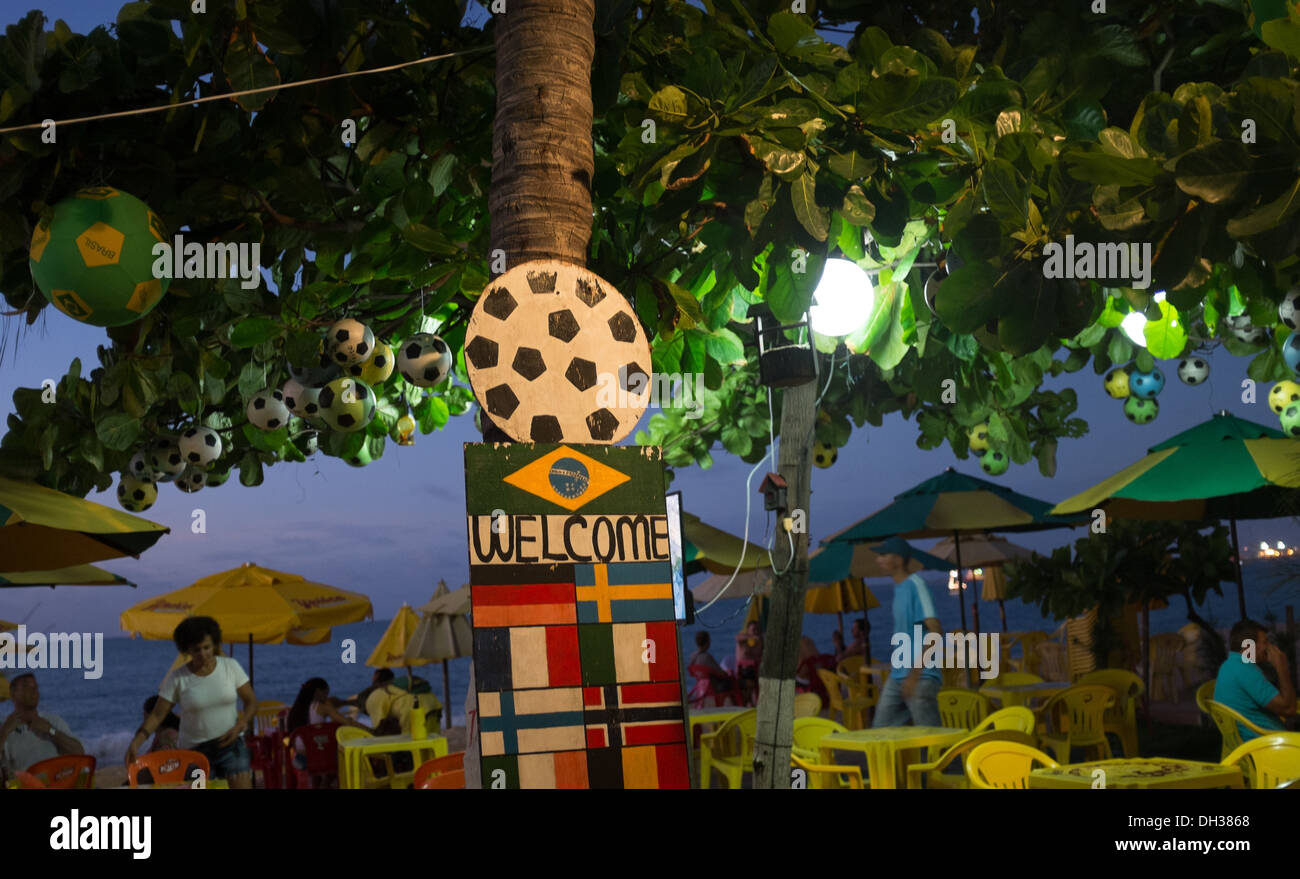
<point>111,776</point>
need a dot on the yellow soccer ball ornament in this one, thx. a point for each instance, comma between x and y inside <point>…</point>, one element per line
<point>92,257</point>
<point>376,369</point>
<point>1283,394</point>
<point>824,455</point>
<point>978,436</point>
<point>1117,384</point>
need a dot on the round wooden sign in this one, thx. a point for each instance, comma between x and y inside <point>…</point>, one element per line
<point>556,354</point>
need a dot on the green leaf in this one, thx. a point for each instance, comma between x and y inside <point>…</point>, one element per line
<point>856,208</point>
<point>118,432</point>
<point>1120,349</point>
<point>967,300</point>
<point>725,346</point>
<point>252,378</point>
<point>1166,337</point>
<point>1005,192</point>
<point>851,166</point>
<point>1144,361</point>
<point>247,67</point>
<point>671,102</point>
<point>816,220</point>
<point>1213,172</point>
<point>253,331</point>
<point>440,173</point>
<point>1268,216</point>
<point>429,240</point>
<point>250,470</point>
<point>686,303</point>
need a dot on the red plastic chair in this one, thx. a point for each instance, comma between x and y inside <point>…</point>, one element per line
<point>168,767</point>
<point>703,688</point>
<point>430,769</point>
<point>454,780</point>
<point>65,772</point>
<point>317,744</point>
<point>27,781</point>
<point>266,755</point>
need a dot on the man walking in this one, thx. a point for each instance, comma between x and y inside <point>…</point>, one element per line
<point>911,692</point>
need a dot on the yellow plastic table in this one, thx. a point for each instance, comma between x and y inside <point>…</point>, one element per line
<point>1021,694</point>
<point>701,716</point>
<point>356,750</point>
<point>1140,773</point>
<point>887,747</point>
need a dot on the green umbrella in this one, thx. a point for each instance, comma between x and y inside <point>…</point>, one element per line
<point>947,505</point>
<point>1224,468</point>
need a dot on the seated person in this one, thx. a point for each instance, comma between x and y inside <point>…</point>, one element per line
<point>314,705</point>
<point>167,738</point>
<point>806,679</point>
<point>720,678</point>
<point>837,644</point>
<point>749,653</point>
<point>1243,686</point>
<point>29,736</point>
<point>389,708</point>
<point>859,645</point>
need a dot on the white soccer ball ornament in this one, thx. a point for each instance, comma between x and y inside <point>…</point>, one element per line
<point>1193,370</point>
<point>192,479</point>
<point>136,495</point>
<point>140,466</point>
<point>350,341</point>
<point>166,459</point>
<point>1289,309</point>
<point>200,446</point>
<point>301,400</point>
<point>424,360</point>
<point>266,409</point>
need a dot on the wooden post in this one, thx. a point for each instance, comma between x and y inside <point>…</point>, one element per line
<point>776,687</point>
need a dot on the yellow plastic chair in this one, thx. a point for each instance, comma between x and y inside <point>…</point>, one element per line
<point>807,705</point>
<point>1274,760</point>
<point>736,761</point>
<point>806,740</point>
<point>963,709</point>
<point>849,666</point>
<point>1227,721</point>
<point>938,778</point>
<point>1204,696</point>
<point>1029,642</point>
<point>391,778</point>
<point>1017,717</point>
<point>1013,679</point>
<point>1004,765</point>
<point>853,710</point>
<point>1121,718</point>
<point>956,678</point>
<point>1164,666</point>
<point>1077,717</point>
<point>825,773</point>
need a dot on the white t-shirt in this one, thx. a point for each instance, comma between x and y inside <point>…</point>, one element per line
<point>24,747</point>
<point>209,704</point>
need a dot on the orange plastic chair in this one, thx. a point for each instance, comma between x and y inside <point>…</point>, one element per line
<point>1274,759</point>
<point>453,780</point>
<point>66,772</point>
<point>1077,720</point>
<point>167,767</point>
<point>963,709</point>
<point>437,766</point>
<point>938,778</point>
<point>25,781</point>
<point>1121,718</point>
<point>1004,765</point>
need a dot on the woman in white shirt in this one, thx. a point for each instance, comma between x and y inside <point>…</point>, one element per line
<point>206,688</point>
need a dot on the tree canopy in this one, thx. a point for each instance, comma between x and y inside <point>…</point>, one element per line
<point>736,149</point>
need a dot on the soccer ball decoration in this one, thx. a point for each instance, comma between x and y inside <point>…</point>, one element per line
<point>1243,330</point>
<point>347,404</point>
<point>316,376</point>
<point>216,477</point>
<point>301,399</point>
<point>350,341</point>
<point>1117,383</point>
<point>994,463</point>
<point>1147,385</point>
<point>135,495</point>
<point>266,409</point>
<point>91,257</point>
<point>361,458</point>
<point>200,446</point>
<point>542,338</point>
<point>406,430</point>
<point>141,468</point>
<point>192,479</point>
<point>1288,311</point>
<point>824,455</point>
<point>165,458</point>
<point>1283,394</point>
<point>978,437</point>
<point>424,360</point>
<point>376,368</point>
<point>1290,419</point>
<point>1141,410</point>
<point>1291,351</point>
<point>1193,370</point>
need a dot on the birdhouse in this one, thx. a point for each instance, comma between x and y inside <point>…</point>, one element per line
<point>773,491</point>
<point>782,362</point>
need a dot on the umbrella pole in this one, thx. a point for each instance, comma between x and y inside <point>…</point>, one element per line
<point>863,584</point>
<point>250,659</point>
<point>1146,658</point>
<point>1236,554</point>
<point>961,595</point>
<point>446,692</point>
<point>1002,610</point>
<point>840,615</point>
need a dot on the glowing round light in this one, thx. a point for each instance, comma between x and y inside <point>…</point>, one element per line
<point>843,299</point>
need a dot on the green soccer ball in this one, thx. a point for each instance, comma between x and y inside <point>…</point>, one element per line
<point>347,404</point>
<point>92,257</point>
<point>1141,410</point>
<point>994,463</point>
<point>361,458</point>
<point>1290,419</point>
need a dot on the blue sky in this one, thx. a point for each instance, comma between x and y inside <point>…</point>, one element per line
<point>394,528</point>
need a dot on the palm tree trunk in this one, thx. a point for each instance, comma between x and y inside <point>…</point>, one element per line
<point>775,730</point>
<point>542,158</point>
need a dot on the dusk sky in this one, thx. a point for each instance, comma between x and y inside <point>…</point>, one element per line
<point>394,528</point>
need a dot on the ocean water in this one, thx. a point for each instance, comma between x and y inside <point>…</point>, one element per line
<point>104,713</point>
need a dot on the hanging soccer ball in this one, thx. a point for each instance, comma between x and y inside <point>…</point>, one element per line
<point>376,368</point>
<point>91,257</point>
<point>192,479</point>
<point>200,445</point>
<point>217,477</point>
<point>361,458</point>
<point>406,430</point>
<point>165,458</point>
<point>978,437</point>
<point>424,360</point>
<point>1243,330</point>
<point>324,372</point>
<point>824,455</point>
<point>300,399</point>
<point>1288,311</point>
<point>1290,419</point>
<point>994,463</point>
<point>141,468</point>
<point>136,495</point>
<point>1147,385</point>
<point>1141,410</point>
<point>347,404</point>
<point>1116,383</point>
<point>1193,370</point>
<point>266,410</point>
<point>1291,351</point>
<point>1283,394</point>
<point>350,341</point>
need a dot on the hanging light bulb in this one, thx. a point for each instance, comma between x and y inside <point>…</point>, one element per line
<point>843,299</point>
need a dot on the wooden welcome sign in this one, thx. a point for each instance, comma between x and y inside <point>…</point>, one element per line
<point>576,664</point>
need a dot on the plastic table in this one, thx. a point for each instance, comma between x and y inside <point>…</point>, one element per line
<point>1141,773</point>
<point>356,750</point>
<point>888,746</point>
<point>1021,694</point>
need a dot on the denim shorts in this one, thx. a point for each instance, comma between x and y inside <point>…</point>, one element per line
<point>225,762</point>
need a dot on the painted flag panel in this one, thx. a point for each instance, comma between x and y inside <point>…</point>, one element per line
<point>531,595</point>
<point>528,657</point>
<point>624,593</point>
<point>655,766</point>
<point>626,653</point>
<point>529,721</point>
<point>554,478</point>
<point>566,770</point>
<point>633,714</point>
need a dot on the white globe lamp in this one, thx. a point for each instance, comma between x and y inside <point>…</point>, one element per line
<point>843,299</point>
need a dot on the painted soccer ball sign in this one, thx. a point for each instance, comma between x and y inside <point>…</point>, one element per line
<point>92,257</point>
<point>555,354</point>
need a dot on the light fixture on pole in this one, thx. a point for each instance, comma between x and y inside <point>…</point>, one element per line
<point>782,362</point>
<point>843,299</point>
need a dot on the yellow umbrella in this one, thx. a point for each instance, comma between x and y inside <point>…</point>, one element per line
<point>252,604</point>
<point>443,632</point>
<point>77,575</point>
<point>41,529</point>
<point>850,594</point>
<point>717,551</point>
<point>745,584</point>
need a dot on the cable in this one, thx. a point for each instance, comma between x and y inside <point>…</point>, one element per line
<point>829,372</point>
<point>744,546</point>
